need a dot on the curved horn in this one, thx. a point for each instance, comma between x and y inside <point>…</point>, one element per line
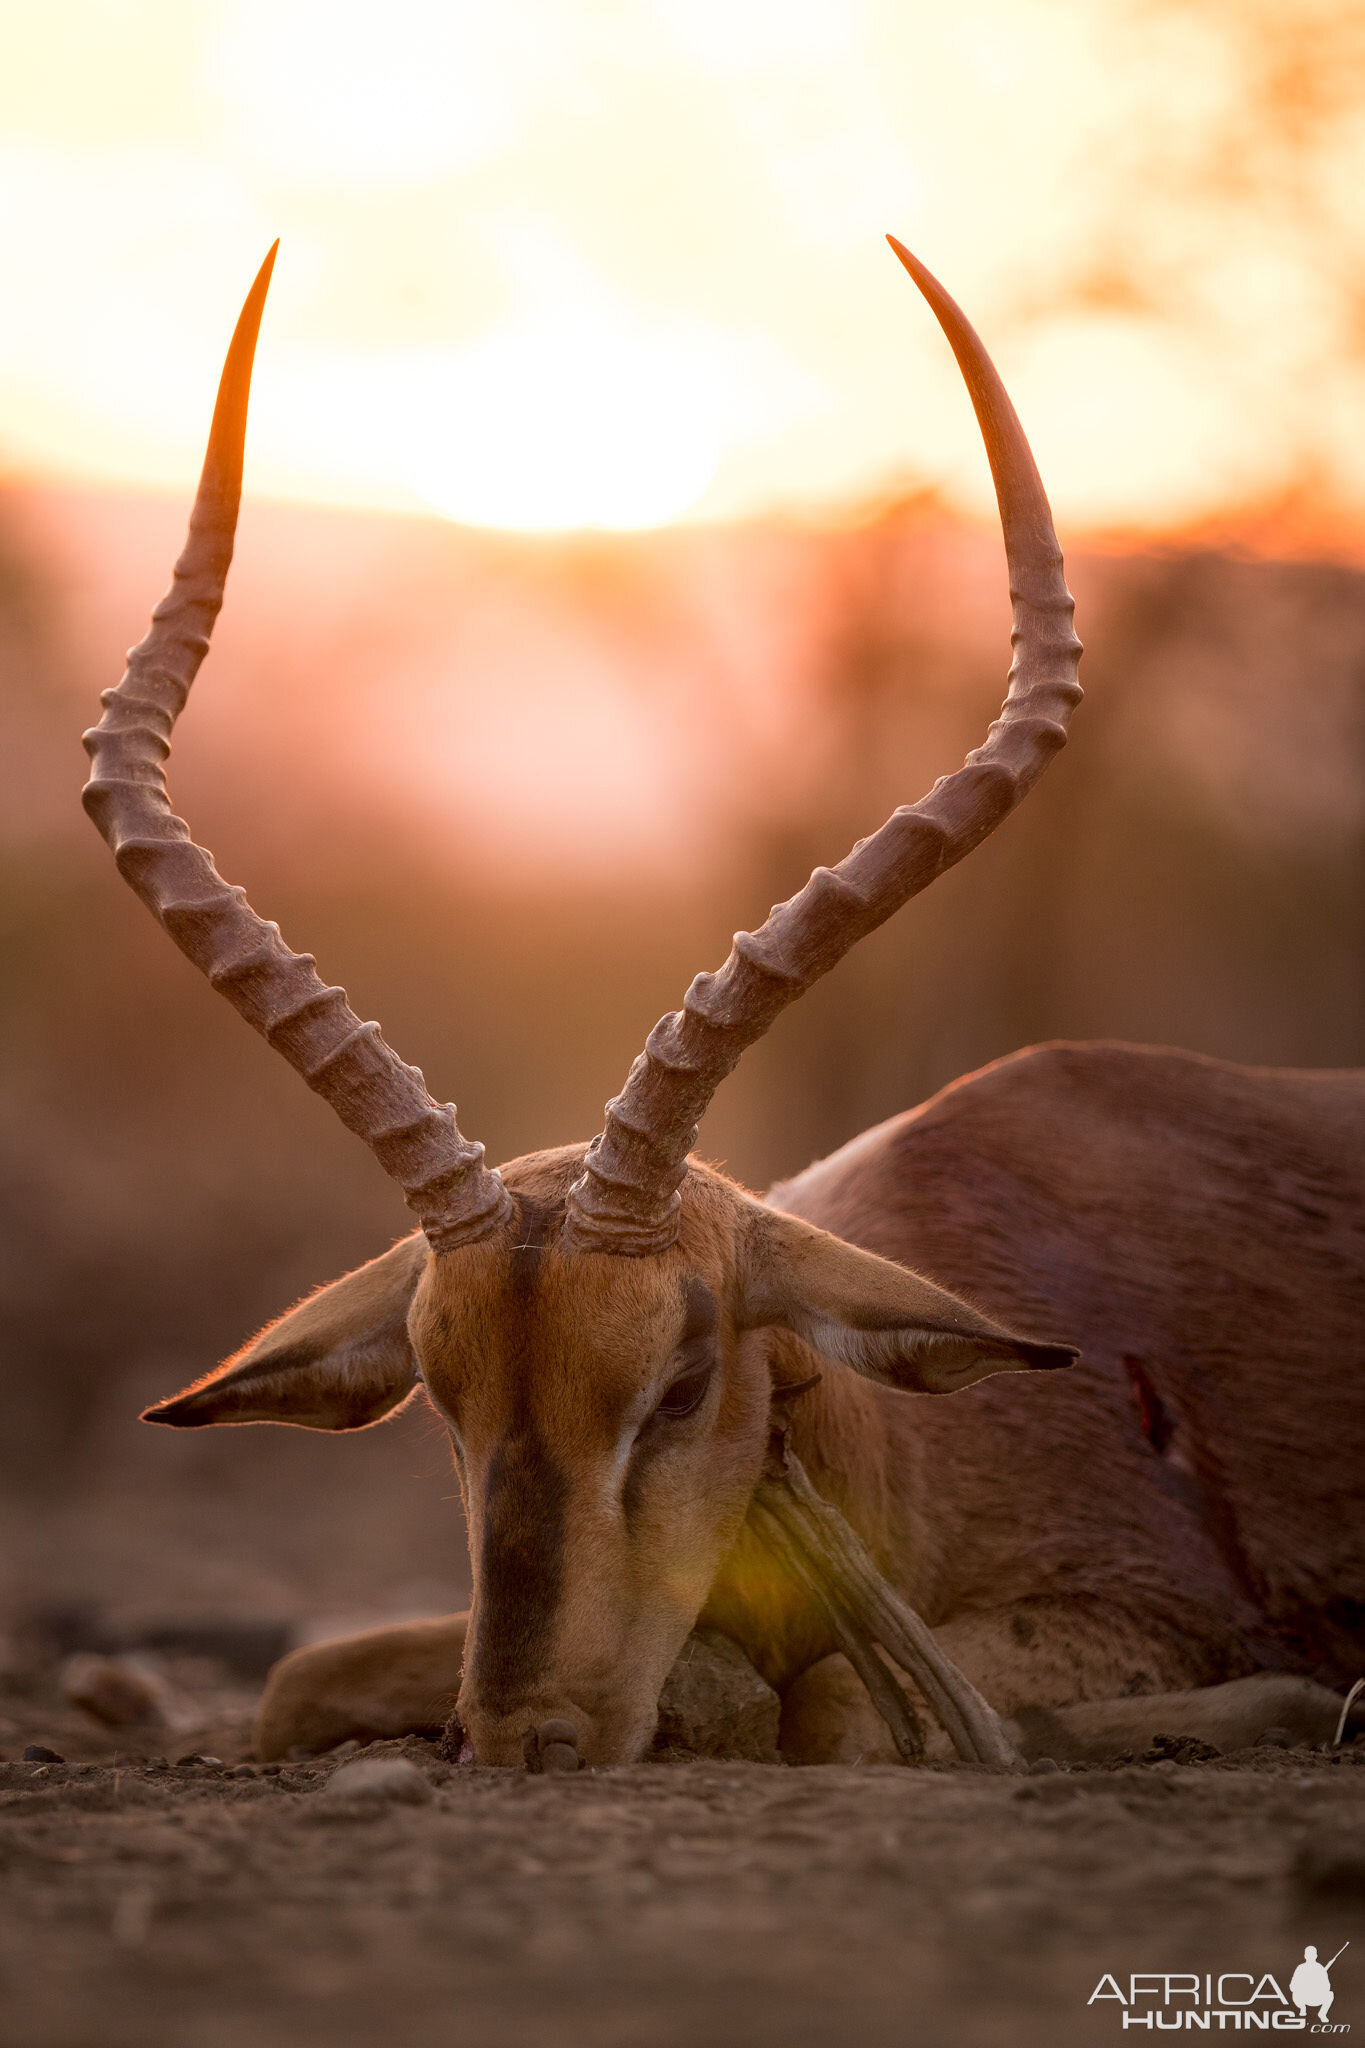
<point>386,1103</point>
<point>627,1199</point>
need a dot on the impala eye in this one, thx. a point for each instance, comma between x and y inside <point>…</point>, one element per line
<point>687,1393</point>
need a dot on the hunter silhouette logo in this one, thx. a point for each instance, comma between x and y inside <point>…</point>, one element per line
<point>1236,2001</point>
<point>1311,1984</point>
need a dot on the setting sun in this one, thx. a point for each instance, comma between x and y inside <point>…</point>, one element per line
<point>621,265</point>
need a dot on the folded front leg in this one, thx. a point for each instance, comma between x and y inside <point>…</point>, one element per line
<point>387,1682</point>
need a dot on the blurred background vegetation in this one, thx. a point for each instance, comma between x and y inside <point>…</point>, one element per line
<point>683,725</point>
<point>617,266</point>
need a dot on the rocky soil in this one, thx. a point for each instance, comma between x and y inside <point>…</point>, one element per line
<point>689,1904</point>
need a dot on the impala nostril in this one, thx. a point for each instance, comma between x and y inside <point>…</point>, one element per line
<point>557,1731</point>
<point>560,1756</point>
<point>553,1746</point>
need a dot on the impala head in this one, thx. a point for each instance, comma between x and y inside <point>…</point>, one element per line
<point>594,1325</point>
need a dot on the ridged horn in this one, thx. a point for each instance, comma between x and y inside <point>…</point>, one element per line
<point>385,1102</point>
<point>627,1199</point>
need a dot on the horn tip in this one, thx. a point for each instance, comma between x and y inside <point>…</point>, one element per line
<point>922,275</point>
<point>261,282</point>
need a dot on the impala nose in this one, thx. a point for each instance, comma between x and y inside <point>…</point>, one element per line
<point>552,1746</point>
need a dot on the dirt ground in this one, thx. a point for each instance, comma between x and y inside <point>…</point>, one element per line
<point>688,1905</point>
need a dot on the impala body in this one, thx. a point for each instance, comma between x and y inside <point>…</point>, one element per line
<point>606,1331</point>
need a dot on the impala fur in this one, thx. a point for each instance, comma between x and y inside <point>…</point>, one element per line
<point>603,1329</point>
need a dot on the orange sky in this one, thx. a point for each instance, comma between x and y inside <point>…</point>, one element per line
<point>561,263</point>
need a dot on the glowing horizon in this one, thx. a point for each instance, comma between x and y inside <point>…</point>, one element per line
<point>621,266</point>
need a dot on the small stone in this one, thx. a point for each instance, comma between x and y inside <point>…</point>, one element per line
<point>714,1703</point>
<point>379,1780</point>
<point>184,1762</point>
<point>1041,1765</point>
<point>559,1756</point>
<point>242,1771</point>
<point>36,1754</point>
<point>344,1749</point>
<point>157,1763</point>
<point>1275,1738</point>
<point>112,1690</point>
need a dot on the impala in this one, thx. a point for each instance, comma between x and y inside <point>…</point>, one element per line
<point>1161,1536</point>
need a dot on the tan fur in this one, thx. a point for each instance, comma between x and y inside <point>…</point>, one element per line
<point>1193,1225</point>
<point>602,1336</point>
<point>356,1329</point>
<point>386,1682</point>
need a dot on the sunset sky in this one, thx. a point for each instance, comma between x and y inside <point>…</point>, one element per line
<point>563,263</point>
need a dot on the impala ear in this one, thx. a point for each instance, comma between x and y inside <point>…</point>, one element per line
<point>340,1360</point>
<point>884,1321</point>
